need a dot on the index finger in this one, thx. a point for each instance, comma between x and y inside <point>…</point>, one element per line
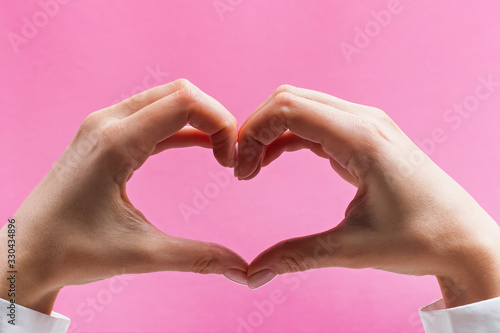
<point>156,122</point>
<point>337,132</point>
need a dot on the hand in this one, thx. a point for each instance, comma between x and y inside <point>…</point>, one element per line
<point>78,226</point>
<point>408,216</point>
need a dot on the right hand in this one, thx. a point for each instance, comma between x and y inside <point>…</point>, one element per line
<point>408,216</point>
<point>79,226</point>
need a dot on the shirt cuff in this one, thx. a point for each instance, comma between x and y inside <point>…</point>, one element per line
<point>480,317</point>
<point>29,321</point>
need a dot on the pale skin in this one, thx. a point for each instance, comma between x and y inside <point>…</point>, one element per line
<point>408,216</point>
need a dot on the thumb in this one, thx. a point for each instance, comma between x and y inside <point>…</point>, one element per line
<point>185,255</point>
<point>327,249</point>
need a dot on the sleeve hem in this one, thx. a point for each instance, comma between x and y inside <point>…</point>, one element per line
<point>28,320</point>
<point>479,317</point>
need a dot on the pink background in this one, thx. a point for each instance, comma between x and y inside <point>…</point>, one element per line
<point>91,54</point>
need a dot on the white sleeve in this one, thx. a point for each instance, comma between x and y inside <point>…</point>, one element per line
<point>480,317</point>
<point>29,321</point>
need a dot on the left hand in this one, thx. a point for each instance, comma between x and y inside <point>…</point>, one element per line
<point>415,221</point>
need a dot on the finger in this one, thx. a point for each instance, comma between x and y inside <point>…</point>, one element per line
<point>337,132</point>
<point>186,137</point>
<point>326,99</point>
<point>286,142</point>
<point>135,103</point>
<point>185,255</point>
<point>254,174</point>
<point>289,142</point>
<point>313,95</point>
<point>327,249</point>
<point>160,120</point>
<point>139,101</point>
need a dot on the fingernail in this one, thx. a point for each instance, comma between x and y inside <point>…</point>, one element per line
<point>233,153</point>
<point>235,159</point>
<point>261,278</point>
<point>236,276</point>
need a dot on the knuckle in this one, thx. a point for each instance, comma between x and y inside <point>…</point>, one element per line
<point>371,130</point>
<point>110,133</point>
<point>377,131</point>
<point>381,115</point>
<point>209,263</point>
<point>182,83</point>
<point>205,266</point>
<point>294,263</point>
<point>388,122</point>
<point>91,121</point>
<point>284,100</point>
<point>88,128</point>
<point>378,112</point>
<point>86,138</point>
<point>367,148</point>
<point>293,260</point>
<point>368,126</point>
<point>284,88</point>
<point>370,141</point>
<point>189,94</point>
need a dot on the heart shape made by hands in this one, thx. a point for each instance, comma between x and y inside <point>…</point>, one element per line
<point>384,226</point>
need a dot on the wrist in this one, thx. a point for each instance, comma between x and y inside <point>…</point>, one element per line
<point>25,277</point>
<point>476,276</point>
<point>37,299</point>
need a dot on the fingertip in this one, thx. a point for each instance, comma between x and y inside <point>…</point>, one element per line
<point>253,175</point>
<point>236,276</point>
<point>261,278</point>
<point>224,154</point>
<point>223,143</point>
<point>249,157</point>
<point>233,261</point>
<point>264,261</point>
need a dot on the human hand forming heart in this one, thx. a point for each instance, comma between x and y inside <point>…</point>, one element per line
<point>408,216</point>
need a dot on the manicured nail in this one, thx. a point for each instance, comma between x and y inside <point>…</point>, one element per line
<point>235,159</point>
<point>237,276</point>
<point>261,278</point>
